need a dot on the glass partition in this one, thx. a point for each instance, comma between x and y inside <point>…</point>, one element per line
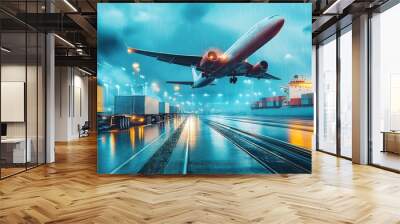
<point>22,92</point>
<point>13,105</point>
<point>327,96</point>
<point>346,93</point>
<point>385,89</point>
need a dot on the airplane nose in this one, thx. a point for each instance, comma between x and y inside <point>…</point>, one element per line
<point>279,22</point>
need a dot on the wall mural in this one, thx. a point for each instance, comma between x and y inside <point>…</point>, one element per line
<point>204,88</point>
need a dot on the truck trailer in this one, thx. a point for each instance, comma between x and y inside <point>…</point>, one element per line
<point>174,109</point>
<point>131,110</point>
<point>163,110</point>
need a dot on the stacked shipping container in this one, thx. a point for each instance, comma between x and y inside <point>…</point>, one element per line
<point>279,101</point>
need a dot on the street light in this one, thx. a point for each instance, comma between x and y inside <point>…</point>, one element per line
<point>136,67</point>
<point>117,87</point>
<point>155,87</point>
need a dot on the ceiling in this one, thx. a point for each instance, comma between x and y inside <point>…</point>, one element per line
<point>75,22</point>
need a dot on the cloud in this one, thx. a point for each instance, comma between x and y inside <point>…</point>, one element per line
<point>307,29</point>
<point>110,43</point>
<point>288,56</point>
<point>195,14</point>
<point>142,16</point>
<point>193,29</point>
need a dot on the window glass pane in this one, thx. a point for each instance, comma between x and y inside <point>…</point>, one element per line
<point>31,97</point>
<point>22,89</point>
<point>346,94</point>
<point>13,86</point>
<point>327,96</point>
<point>385,80</point>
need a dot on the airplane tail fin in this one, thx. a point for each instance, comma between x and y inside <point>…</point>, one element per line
<point>195,75</point>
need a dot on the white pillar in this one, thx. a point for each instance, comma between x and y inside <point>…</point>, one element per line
<point>50,92</point>
<point>360,90</point>
<point>50,99</point>
<point>314,81</point>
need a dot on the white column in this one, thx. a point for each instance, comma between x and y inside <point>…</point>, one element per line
<point>50,100</point>
<point>50,92</point>
<point>360,90</point>
<point>314,80</point>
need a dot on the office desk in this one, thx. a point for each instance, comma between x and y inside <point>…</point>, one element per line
<point>13,150</point>
<point>391,141</point>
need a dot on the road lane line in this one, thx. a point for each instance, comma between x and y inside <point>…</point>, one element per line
<point>136,154</point>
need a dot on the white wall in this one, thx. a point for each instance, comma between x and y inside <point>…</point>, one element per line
<point>33,127</point>
<point>16,73</point>
<point>71,103</point>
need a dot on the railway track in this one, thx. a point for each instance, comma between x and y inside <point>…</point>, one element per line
<point>296,126</point>
<point>157,163</point>
<point>275,155</point>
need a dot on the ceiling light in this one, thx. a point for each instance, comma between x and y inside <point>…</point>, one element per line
<point>64,40</point>
<point>84,71</point>
<point>70,5</point>
<point>5,50</point>
<point>337,7</point>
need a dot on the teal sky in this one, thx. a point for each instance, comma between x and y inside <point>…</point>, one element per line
<point>193,28</point>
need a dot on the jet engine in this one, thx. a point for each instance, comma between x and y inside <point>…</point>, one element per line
<point>210,60</point>
<point>212,56</point>
<point>260,67</point>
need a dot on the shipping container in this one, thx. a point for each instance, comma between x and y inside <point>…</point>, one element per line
<point>142,105</point>
<point>295,102</point>
<point>132,110</point>
<point>174,109</point>
<point>278,103</point>
<point>307,99</point>
<point>163,108</point>
<point>274,99</point>
<point>308,95</point>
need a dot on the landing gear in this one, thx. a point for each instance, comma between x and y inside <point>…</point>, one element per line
<point>233,80</point>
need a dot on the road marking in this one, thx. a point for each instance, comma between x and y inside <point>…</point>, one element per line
<point>134,155</point>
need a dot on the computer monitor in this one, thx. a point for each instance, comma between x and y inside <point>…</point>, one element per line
<point>3,130</point>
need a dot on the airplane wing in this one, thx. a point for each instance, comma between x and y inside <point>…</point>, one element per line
<point>243,68</point>
<point>185,60</point>
<point>267,76</point>
<point>180,82</point>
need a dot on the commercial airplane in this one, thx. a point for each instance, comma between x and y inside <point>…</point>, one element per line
<point>214,65</point>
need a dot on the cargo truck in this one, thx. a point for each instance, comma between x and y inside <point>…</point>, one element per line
<point>174,109</point>
<point>132,110</point>
<point>163,109</point>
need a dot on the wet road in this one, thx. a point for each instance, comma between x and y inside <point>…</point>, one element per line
<point>209,145</point>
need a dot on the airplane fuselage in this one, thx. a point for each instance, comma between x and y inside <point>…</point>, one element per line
<point>232,63</point>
